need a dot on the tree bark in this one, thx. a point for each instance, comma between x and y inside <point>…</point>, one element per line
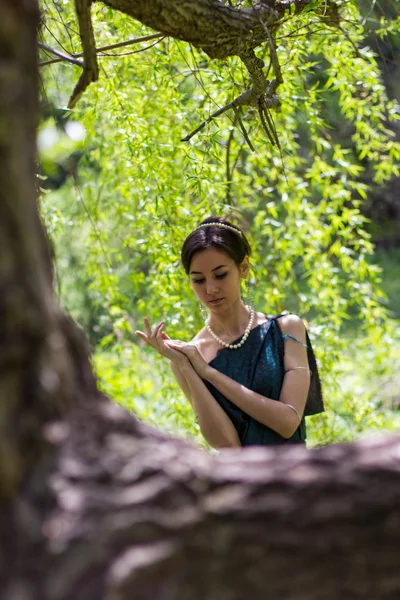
<point>94,505</point>
<point>127,513</point>
<point>38,380</point>
<point>25,302</point>
<point>217,28</point>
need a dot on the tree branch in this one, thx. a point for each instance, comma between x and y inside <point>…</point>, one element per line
<point>262,91</point>
<point>243,129</point>
<point>61,56</point>
<point>215,114</point>
<point>64,57</point>
<point>136,511</point>
<point>218,29</point>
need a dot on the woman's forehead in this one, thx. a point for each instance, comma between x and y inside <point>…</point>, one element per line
<point>209,259</point>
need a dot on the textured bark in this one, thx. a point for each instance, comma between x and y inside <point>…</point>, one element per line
<point>24,271</point>
<point>220,30</point>
<point>124,513</point>
<point>217,28</point>
<point>95,505</point>
<point>214,26</point>
<point>37,378</point>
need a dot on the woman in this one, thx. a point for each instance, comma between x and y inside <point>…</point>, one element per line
<point>246,375</point>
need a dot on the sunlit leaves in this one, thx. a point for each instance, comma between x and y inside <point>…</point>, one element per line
<point>118,223</point>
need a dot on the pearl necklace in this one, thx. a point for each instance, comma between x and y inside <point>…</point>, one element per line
<point>245,335</point>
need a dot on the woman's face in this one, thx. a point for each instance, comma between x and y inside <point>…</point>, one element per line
<point>215,278</point>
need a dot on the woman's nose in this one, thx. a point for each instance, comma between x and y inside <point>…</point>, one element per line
<point>211,288</point>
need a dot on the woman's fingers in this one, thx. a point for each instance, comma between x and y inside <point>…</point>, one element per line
<point>159,340</point>
<point>178,345</point>
<point>151,331</point>
<point>154,336</point>
<point>158,334</point>
<point>158,328</point>
<point>143,336</point>
<point>147,326</point>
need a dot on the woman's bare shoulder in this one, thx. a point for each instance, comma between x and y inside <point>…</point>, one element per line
<point>260,318</point>
<point>205,344</point>
<point>201,337</point>
<point>293,325</point>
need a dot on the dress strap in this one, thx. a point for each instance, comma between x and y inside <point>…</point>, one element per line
<point>287,335</point>
<point>282,314</point>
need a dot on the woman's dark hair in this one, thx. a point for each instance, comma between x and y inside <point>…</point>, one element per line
<point>229,239</point>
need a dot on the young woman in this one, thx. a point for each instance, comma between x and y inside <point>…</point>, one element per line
<point>250,378</point>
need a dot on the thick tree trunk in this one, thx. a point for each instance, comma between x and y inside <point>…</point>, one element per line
<point>95,505</point>
<point>38,380</point>
<point>25,283</point>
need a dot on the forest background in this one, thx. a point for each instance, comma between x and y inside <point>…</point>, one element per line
<point>120,192</point>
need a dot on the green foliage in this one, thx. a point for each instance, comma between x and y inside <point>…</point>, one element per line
<point>390,263</point>
<point>361,391</point>
<point>118,225</point>
<point>148,391</point>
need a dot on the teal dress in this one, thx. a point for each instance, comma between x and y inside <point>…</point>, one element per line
<point>259,366</point>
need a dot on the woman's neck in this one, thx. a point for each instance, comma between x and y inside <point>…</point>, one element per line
<point>232,322</point>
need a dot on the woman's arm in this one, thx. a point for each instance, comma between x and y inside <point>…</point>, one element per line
<point>215,425</point>
<point>278,416</point>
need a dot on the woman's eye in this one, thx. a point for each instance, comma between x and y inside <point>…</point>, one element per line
<point>202,280</point>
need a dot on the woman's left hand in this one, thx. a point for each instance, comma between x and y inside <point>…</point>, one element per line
<point>191,351</point>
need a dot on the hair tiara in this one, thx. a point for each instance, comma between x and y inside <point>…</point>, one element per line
<point>219,225</point>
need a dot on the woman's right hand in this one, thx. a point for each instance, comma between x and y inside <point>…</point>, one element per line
<point>156,337</point>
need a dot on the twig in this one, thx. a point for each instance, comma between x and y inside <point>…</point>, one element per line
<point>371,9</point>
<point>135,51</point>
<point>272,48</point>
<point>215,114</point>
<point>246,98</point>
<point>43,22</point>
<point>229,171</point>
<point>197,77</point>
<point>63,57</point>
<point>261,93</point>
<point>264,124</point>
<point>242,127</point>
<point>63,23</point>
<point>271,126</point>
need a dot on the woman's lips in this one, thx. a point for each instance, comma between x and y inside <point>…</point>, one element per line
<point>216,301</point>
